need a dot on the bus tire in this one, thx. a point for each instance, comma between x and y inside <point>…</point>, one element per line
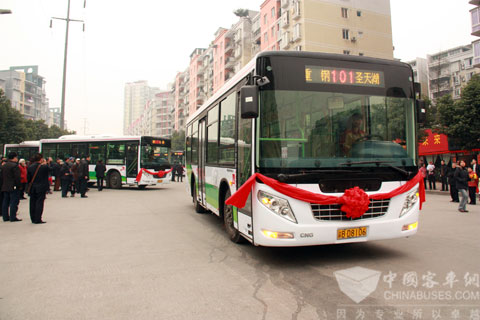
<point>115,180</point>
<point>227,213</point>
<point>198,207</point>
<point>142,187</point>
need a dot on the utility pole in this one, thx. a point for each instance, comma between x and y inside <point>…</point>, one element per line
<point>67,19</point>
<point>84,126</point>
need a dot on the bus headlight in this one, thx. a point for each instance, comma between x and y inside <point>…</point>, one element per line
<point>277,205</point>
<point>410,200</point>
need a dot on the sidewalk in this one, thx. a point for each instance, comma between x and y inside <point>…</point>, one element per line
<point>438,190</point>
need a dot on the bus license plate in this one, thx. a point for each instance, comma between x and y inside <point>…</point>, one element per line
<point>351,233</point>
<point>159,181</point>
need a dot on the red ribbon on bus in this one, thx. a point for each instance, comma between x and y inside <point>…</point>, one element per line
<point>353,201</point>
<point>159,174</point>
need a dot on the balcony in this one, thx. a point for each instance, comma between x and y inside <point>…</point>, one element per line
<point>228,47</point>
<point>284,3</point>
<point>439,76</point>
<point>296,11</point>
<point>229,63</point>
<point>437,63</point>
<point>285,42</point>
<point>474,2</point>
<point>475,15</point>
<point>284,20</point>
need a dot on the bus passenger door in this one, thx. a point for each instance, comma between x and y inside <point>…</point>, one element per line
<point>132,160</point>
<point>201,161</point>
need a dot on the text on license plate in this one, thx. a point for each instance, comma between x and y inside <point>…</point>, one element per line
<point>159,181</point>
<point>351,233</point>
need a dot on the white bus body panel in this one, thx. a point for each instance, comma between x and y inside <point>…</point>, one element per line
<point>319,232</point>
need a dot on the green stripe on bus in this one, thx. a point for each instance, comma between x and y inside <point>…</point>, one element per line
<point>211,193</point>
<point>235,215</point>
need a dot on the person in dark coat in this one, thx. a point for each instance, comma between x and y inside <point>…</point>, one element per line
<point>461,178</point>
<point>56,173</point>
<point>66,178</point>
<point>452,182</point>
<point>4,160</point>
<point>100,173</point>
<point>179,170</point>
<point>74,171</point>
<point>11,187</point>
<point>38,187</point>
<point>443,175</point>
<point>83,176</point>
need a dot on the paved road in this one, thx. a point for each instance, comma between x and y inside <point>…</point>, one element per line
<point>131,254</point>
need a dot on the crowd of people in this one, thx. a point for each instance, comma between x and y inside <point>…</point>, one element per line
<point>457,177</point>
<point>17,178</point>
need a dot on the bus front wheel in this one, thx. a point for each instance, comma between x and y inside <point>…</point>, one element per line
<point>115,180</point>
<point>233,233</point>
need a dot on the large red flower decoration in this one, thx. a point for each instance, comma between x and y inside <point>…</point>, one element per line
<point>354,202</point>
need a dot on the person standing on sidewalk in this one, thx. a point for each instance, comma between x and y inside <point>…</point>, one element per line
<point>11,187</point>
<point>23,177</point>
<point>431,175</point>
<point>100,173</point>
<point>443,175</point>
<point>56,173</point>
<point>66,178</point>
<point>38,186</point>
<point>461,178</point>
<point>472,186</point>
<point>452,182</point>
<point>83,175</point>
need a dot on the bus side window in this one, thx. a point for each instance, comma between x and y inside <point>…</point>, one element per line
<point>116,153</point>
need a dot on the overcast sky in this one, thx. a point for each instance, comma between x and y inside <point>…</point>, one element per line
<point>126,41</point>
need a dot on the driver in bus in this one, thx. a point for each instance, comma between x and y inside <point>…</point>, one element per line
<point>353,133</point>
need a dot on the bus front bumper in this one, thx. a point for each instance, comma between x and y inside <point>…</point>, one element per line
<point>278,232</point>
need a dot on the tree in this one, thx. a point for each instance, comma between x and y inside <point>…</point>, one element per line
<point>241,12</point>
<point>12,124</point>
<point>14,128</point>
<point>459,120</point>
<point>178,140</point>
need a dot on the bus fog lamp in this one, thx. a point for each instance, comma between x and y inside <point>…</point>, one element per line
<point>277,205</point>
<point>278,235</point>
<point>410,226</point>
<point>410,201</point>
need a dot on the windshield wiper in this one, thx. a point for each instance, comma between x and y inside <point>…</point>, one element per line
<point>378,163</point>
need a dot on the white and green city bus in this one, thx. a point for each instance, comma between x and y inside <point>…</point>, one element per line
<point>130,160</point>
<point>25,150</point>
<point>321,123</point>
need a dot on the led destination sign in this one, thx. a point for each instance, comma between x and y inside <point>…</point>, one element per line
<point>343,76</point>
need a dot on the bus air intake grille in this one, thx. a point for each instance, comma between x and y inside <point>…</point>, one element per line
<point>332,212</point>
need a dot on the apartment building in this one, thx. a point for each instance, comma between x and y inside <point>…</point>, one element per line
<point>25,89</point>
<point>475,16</point>
<point>450,70</point>
<point>136,96</point>
<point>420,74</point>
<point>180,92</point>
<point>358,27</point>
<point>161,112</point>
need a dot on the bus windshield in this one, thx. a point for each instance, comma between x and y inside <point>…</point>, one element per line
<point>310,129</point>
<point>154,156</point>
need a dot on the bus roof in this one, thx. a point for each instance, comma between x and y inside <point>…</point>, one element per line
<point>24,144</point>
<point>103,137</point>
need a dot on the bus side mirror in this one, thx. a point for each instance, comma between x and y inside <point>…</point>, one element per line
<point>421,111</point>
<point>249,102</point>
